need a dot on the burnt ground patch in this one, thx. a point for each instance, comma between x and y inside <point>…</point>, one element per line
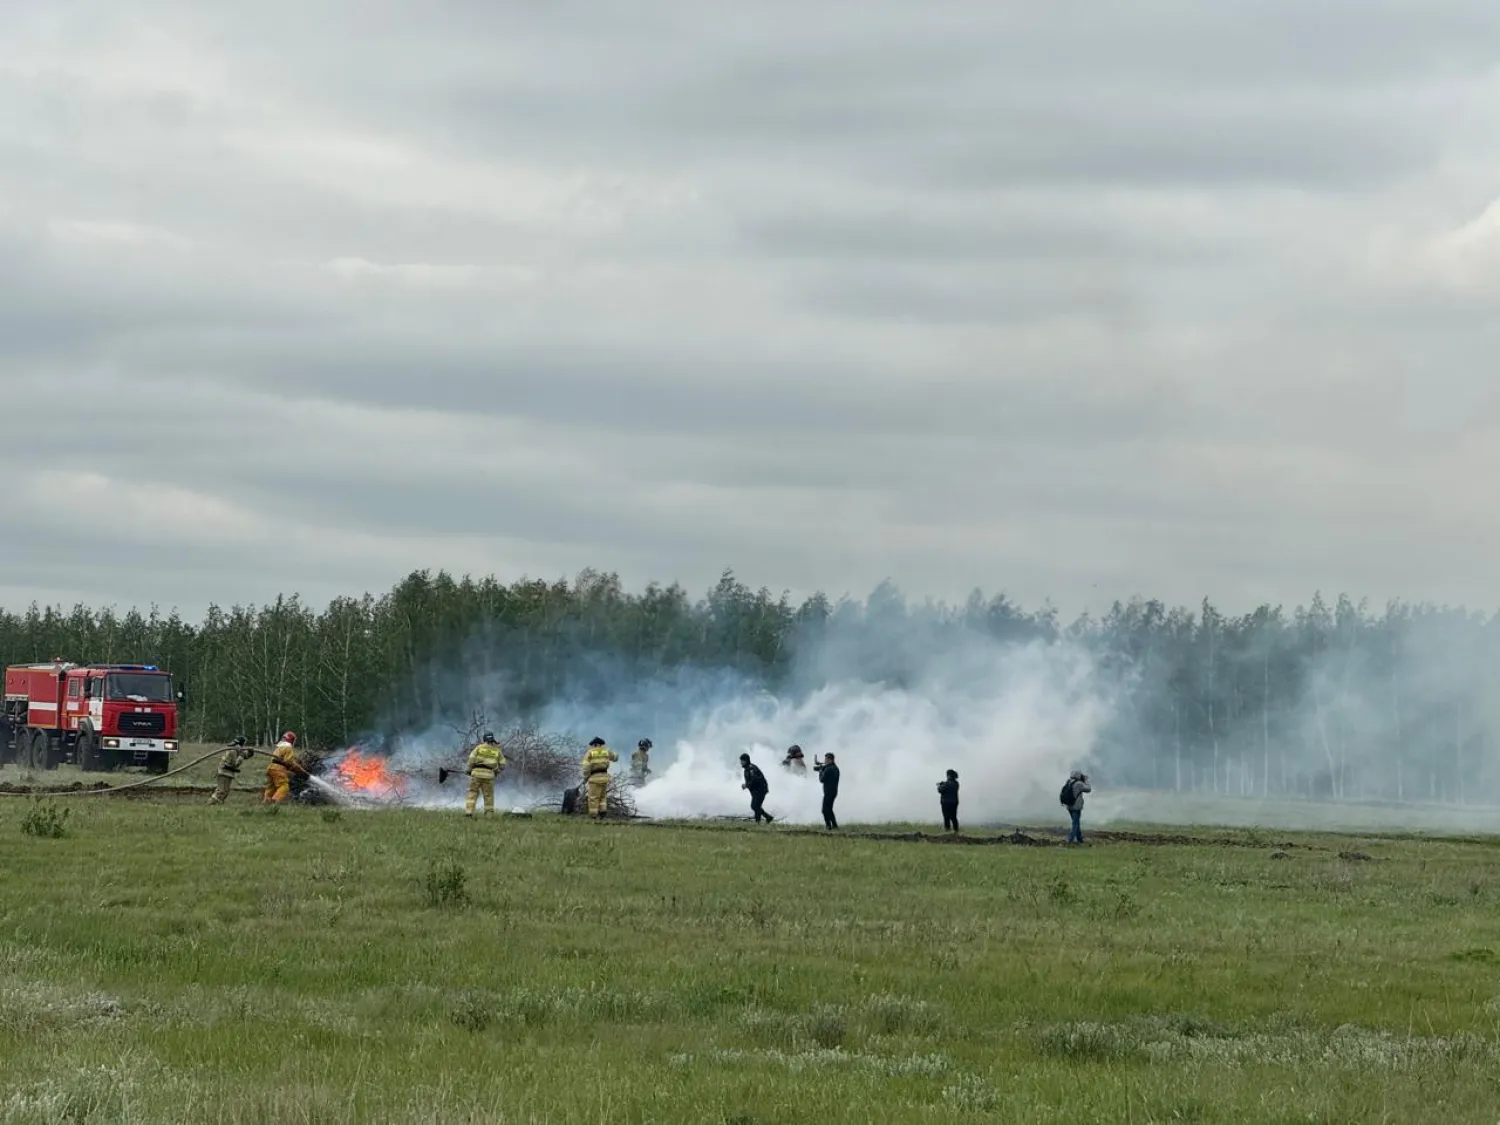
<point>1021,836</point>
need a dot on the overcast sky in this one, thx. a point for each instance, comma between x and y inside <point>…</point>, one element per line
<point>1075,300</point>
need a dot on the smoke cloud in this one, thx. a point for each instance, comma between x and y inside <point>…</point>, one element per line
<point>896,703</point>
<point>1012,722</point>
<point>1326,718</point>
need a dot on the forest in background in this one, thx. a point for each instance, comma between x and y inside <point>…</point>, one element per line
<point>1325,699</point>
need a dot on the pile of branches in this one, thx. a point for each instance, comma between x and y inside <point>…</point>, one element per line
<point>541,759</point>
<point>547,760</point>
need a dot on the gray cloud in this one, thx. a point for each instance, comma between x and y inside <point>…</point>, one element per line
<point>1078,300</point>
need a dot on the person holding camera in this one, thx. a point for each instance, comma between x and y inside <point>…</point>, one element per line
<point>828,774</point>
<point>1072,798</point>
<point>948,800</point>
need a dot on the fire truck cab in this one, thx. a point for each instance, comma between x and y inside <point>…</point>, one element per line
<point>93,716</point>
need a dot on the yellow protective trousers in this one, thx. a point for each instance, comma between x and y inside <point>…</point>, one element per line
<point>278,785</point>
<point>222,784</point>
<point>480,784</point>
<point>598,784</point>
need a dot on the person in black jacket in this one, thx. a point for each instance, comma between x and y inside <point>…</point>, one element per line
<point>756,783</point>
<point>948,798</point>
<point>828,773</point>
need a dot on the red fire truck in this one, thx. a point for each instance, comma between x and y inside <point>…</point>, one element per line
<point>94,716</point>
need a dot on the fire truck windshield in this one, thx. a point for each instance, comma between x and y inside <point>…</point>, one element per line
<point>138,688</point>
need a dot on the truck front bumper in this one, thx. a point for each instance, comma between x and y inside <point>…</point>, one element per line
<point>133,744</point>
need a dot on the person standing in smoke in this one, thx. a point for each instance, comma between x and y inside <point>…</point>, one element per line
<point>794,763</point>
<point>828,773</point>
<point>486,761</point>
<point>948,799</point>
<point>596,776</point>
<point>640,763</point>
<point>755,782</point>
<point>1072,794</point>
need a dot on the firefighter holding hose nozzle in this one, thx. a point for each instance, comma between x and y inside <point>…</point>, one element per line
<point>485,763</point>
<point>279,773</point>
<point>234,756</point>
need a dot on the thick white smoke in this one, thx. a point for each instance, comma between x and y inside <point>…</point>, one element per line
<point>1011,721</point>
<point>897,700</point>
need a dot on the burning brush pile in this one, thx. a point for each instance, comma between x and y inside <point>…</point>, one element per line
<point>539,768</point>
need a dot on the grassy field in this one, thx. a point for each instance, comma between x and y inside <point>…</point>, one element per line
<point>176,963</point>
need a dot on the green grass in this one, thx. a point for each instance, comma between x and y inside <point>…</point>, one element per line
<point>176,963</point>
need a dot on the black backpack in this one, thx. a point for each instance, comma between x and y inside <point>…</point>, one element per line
<point>1066,796</point>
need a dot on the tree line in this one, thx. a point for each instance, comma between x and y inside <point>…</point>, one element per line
<point>1324,699</point>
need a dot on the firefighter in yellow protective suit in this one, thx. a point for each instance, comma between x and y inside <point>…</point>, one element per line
<point>485,763</point>
<point>640,763</point>
<point>284,763</point>
<point>235,755</point>
<point>596,776</point>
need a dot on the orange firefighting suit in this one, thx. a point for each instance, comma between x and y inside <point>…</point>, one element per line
<point>485,763</point>
<point>596,777</point>
<point>279,774</point>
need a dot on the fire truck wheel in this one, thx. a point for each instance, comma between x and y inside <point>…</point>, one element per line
<point>89,758</point>
<point>41,752</point>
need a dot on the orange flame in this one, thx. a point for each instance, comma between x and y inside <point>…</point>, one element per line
<point>367,774</point>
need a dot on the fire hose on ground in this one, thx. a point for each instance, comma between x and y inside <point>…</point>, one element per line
<point>153,779</point>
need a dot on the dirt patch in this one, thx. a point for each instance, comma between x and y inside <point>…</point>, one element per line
<point>1022,840</point>
<point>143,793</point>
<point>1164,839</point>
<point>1028,838</point>
<point>75,787</point>
<point>1015,838</point>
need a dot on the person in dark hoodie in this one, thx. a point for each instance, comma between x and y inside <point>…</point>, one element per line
<point>756,783</point>
<point>828,773</point>
<point>948,798</point>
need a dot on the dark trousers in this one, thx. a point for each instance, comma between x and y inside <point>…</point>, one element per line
<point>950,816</point>
<point>829,820</point>
<point>757,799</point>
<point>1075,833</point>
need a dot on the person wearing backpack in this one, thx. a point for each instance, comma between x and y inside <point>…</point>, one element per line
<point>756,783</point>
<point>1072,799</point>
